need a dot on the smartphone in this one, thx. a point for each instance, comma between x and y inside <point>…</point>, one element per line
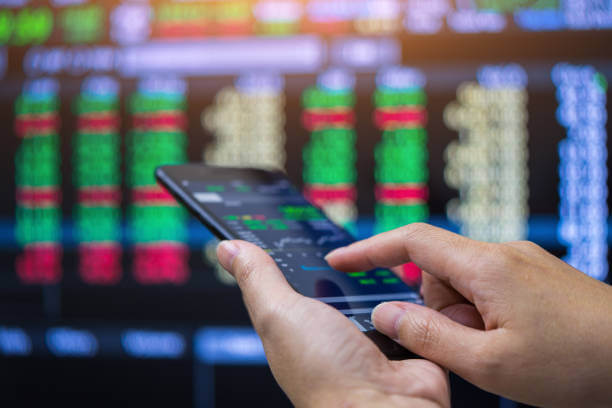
<point>264,208</point>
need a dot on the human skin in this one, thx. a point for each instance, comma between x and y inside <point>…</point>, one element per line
<point>318,357</point>
<point>510,318</point>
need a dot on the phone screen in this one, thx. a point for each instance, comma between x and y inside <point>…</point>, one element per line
<point>265,209</point>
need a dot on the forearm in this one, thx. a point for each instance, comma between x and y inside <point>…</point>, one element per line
<point>367,398</point>
<point>599,375</point>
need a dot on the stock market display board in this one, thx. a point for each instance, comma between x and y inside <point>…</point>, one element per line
<point>486,117</point>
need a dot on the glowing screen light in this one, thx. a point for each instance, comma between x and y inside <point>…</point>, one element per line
<point>228,346</point>
<point>541,15</point>
<point>97,177</point>
<point>365,54</point>
<point>247,121</point>
<point>469,18</point>
<point>330,16</point>
<point>6,25</point>
<point>72,61</point>
<point>131,23</point>
<point>426,16</point>
<point>83,23</point>
<point>502,6</point>
<point>378,17</point>
<point>30,25</point>
<point>401,157</point>
<point>278,17</point>
<point>69,342</point>
<point>329,157</point>
<point>475,16</point>
<point>200,19</point>
<point>14,342</point>
<point>3,61</point>
<point>233,17</point>
<point>153,344</point>
<point>38,180</point>
<point>488,165</point>
<point>587,14</point>
<point>583,228</point>
<point>183,20</point>
<point>157,222</point>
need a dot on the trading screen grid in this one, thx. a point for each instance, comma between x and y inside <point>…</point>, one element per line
<point>270,213</point>
<point>485,117</point>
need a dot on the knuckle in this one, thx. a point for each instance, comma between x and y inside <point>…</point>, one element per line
<point>370,258</point>
<point>414,230</point>
<point>421,333</point>
<point>525,245</point>
<point>500,255</point>
<point>488,363</point>
<point>480,259</point>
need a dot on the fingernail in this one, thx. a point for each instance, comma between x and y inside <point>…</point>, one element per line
<point>226,252</point>
<point>386,317</point>
<point>335,252</point>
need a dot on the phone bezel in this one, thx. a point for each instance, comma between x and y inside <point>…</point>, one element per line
<point>171,177</point>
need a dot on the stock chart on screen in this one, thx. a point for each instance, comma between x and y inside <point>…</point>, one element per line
<point>485,117</point>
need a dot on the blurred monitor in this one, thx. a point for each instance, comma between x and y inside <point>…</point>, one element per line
<point>485,117</point>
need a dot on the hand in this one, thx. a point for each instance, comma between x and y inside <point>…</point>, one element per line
<point>510,318</point>
<point>316,354</point>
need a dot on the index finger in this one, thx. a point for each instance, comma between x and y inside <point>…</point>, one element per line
<point>446,255</point>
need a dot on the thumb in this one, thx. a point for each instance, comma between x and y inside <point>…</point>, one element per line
<point>434,336</point>
<point>264,288</point>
